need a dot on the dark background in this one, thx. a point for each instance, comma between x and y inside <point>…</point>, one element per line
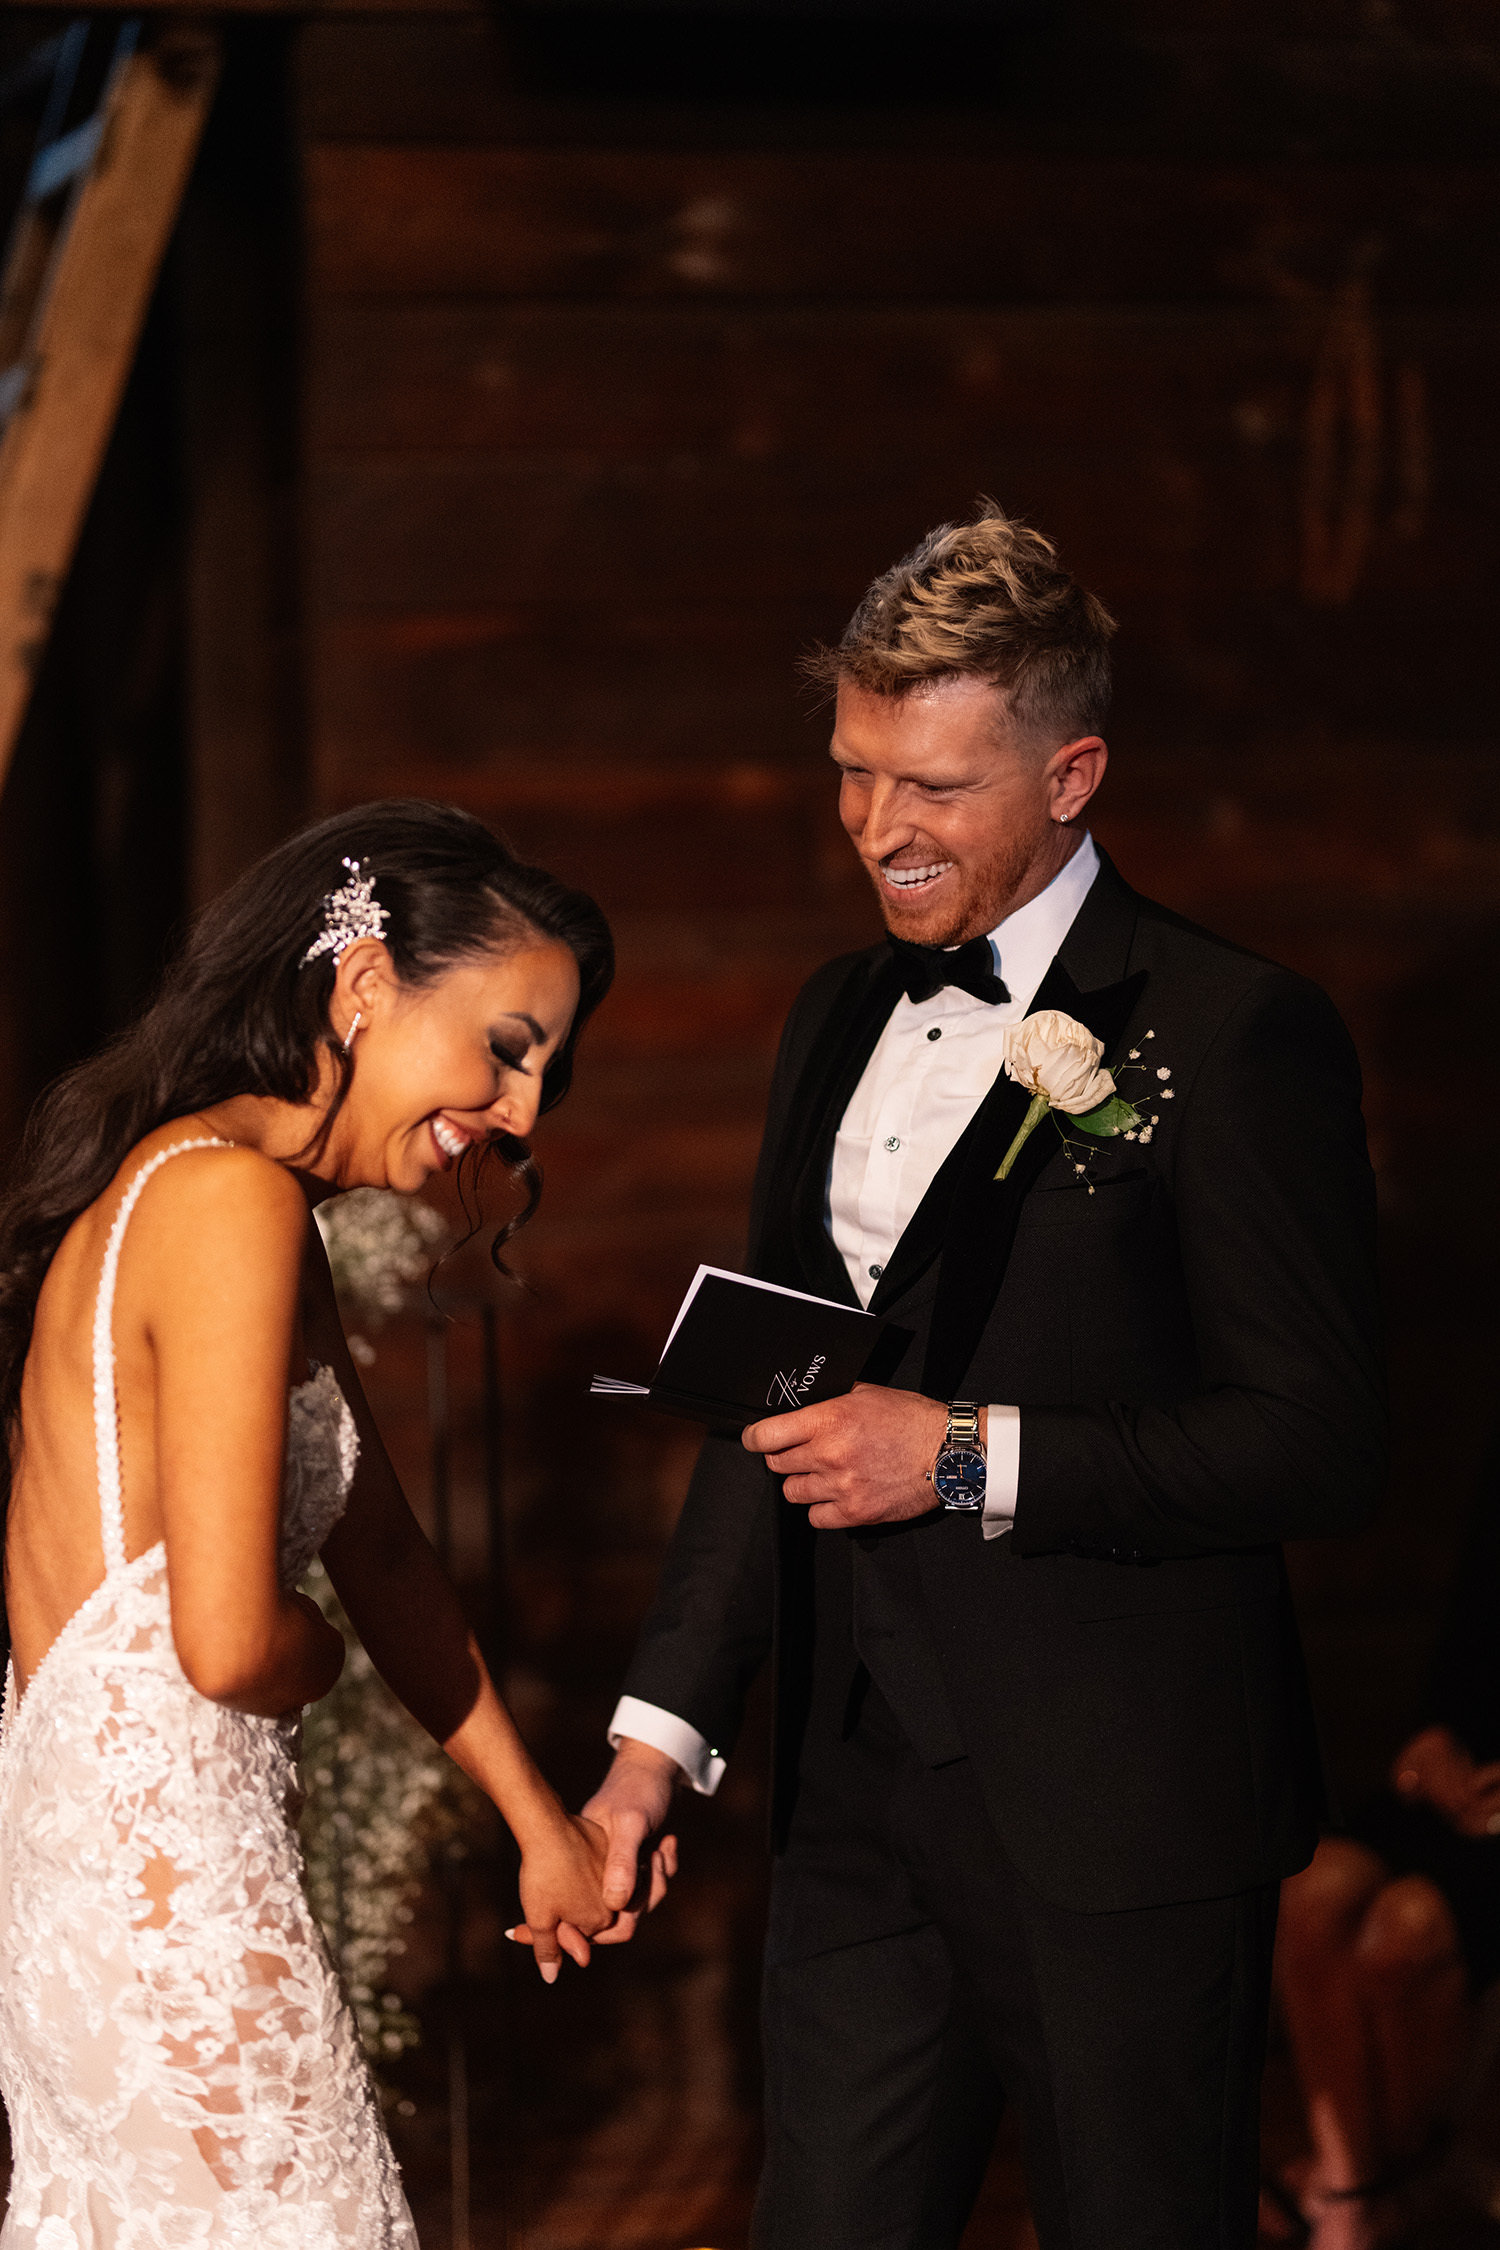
<point>524,390</point>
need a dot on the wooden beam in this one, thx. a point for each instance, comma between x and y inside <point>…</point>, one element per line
<point>83,337</point>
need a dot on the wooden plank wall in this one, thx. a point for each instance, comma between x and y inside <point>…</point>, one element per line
<point>615,400</point>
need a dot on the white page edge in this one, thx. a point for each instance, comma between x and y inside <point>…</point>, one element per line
<point>722,1273</point>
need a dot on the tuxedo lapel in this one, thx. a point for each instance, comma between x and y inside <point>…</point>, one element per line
<point>974,1157</point>
<point>975,1215</point>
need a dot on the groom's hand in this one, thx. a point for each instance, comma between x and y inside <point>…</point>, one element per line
<point>856,1460</point>
<point>631,1805</point>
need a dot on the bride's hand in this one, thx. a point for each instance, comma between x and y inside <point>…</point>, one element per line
<point>562,1897</point>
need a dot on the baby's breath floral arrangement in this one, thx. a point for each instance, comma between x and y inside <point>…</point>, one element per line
<point>381,1798</point>
<point>380,1247</point>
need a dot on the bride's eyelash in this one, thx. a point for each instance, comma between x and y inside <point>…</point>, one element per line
<point>504,1055</point>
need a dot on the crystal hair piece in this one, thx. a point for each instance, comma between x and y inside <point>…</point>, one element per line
<point>350,912</point>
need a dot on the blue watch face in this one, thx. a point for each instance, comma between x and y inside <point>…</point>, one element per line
<point>958,1477</point>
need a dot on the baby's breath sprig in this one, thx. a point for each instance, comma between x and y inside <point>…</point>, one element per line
<point>1081,1154</point>
<point>1137,1063</point>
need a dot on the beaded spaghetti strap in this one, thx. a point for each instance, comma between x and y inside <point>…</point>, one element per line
<point>106,1404</point>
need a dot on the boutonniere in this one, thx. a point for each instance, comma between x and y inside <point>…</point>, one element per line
<point>1060,1064</point>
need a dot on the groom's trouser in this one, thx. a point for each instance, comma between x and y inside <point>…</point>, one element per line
<point>914,1983</point>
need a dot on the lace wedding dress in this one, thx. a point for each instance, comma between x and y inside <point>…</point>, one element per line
<point>178,2061</point>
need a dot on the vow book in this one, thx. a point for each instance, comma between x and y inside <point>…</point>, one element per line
<point>741,1349</point>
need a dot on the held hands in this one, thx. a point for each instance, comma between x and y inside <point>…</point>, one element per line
<point>849,1461</point>
<point>1436,1768</point>
<point>856,1460</point>
<point>562,1870</point>
<point>630,1805</point>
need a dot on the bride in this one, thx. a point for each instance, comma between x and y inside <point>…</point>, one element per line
<point>387,996</point>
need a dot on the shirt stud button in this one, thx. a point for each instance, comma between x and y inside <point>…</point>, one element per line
<point>893,1144</point>
<point>876,1272</point>
<point>936,1031</point>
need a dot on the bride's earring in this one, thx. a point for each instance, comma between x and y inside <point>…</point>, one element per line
<point>349,1034</point>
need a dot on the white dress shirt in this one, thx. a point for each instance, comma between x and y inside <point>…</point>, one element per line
<point>933,1065</point>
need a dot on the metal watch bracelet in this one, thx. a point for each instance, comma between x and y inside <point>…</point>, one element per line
<point>963,1423</point>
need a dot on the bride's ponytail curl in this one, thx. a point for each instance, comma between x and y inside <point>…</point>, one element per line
<point>241,1010</point>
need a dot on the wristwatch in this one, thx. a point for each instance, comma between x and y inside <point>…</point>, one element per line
<point>959,1471</point>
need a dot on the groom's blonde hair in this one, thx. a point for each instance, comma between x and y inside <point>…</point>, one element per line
<point>988,599</point>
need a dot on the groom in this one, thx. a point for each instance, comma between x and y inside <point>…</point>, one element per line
<point>1043,1741</point>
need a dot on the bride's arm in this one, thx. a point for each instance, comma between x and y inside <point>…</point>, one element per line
<point>405,1611</point>
<point>219,1292</point>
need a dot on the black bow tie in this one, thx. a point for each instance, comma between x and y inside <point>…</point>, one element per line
<point>925,969</point>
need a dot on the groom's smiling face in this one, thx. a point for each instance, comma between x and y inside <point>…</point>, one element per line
<point>953,812</point>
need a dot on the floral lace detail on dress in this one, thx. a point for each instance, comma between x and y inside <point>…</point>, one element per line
<point>180,2066</point>
<point>322,1448</point>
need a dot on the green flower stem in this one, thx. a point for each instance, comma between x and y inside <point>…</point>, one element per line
<point>1038,1110</point>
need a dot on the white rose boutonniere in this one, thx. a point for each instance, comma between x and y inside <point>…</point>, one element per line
<point>1059,1061</point>
<point>1060,1064</point>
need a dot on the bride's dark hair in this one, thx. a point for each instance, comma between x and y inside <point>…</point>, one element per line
<point>236,1013</point>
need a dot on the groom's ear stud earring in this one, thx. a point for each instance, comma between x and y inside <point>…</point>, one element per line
<point>1063,819</point>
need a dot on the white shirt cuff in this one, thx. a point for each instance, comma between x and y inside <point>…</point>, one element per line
<point>664,1731</point>
<point>1003,1475</point>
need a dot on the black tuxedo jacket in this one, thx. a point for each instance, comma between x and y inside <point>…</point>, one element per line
<point>1195,1350</point>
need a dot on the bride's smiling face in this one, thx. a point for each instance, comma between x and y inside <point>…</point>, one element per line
<point>441,1066</point>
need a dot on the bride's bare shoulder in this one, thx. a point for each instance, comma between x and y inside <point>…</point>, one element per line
<point>212,1199</point>
<point>209,1213</point>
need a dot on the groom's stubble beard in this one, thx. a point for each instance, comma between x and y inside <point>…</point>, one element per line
<point>976,901</point>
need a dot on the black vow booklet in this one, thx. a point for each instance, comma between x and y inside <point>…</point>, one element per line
<point>742,1349</point>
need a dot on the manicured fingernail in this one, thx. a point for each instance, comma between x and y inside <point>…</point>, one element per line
<point>549,1971</point>
<point>510,1933</point>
